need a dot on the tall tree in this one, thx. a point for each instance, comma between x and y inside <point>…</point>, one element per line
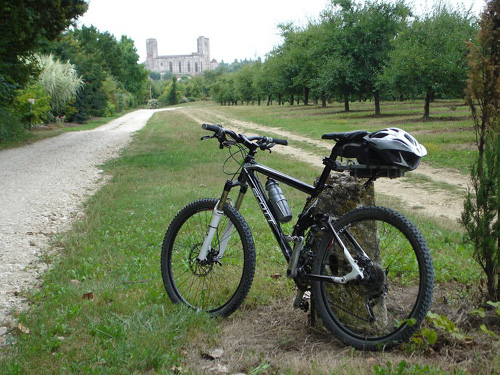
<point>23,25</point>
<point>429,58</point>
<point>133,74</point>
<point>360,42</point>
<point>482,207</point>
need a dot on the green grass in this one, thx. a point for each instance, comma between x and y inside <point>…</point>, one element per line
<point>102,308</point>
<point>447,135</point>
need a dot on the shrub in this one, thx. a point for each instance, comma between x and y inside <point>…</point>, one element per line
<point>11,128</point>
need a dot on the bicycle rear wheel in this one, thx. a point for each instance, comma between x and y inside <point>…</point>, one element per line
<point>217,286</point>
<point>387,306</point>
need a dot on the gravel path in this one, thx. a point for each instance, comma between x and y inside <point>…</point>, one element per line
<point>42,187</point>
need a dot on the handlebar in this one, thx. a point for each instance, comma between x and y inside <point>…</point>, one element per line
<point>252,142</point>
<point>213,128</point>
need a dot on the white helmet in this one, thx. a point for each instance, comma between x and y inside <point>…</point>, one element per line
<point>396,147</point>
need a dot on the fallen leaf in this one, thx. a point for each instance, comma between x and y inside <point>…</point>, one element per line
<point>23,329</point>
<point>275,276</point>
<point>89,295</point>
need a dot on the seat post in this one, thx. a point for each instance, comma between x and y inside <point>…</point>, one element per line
<point>329,163</point>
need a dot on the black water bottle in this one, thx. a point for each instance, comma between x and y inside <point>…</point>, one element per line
<point>278,201</point>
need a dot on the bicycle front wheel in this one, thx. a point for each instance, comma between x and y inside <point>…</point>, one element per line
<point>217,285</point>
<point>388,305</point>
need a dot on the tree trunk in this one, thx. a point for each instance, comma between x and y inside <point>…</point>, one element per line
<point>306,95</point>
<point>346,103</point>
<point>427,104</point>
<point>269,100</point>
<point>292,100</point>
<point>377,103</point>
<point>323,100</point>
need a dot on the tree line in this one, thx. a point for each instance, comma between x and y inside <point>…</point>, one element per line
<point>359,51</point>
<point>52,70</point>
<point>354,51</point>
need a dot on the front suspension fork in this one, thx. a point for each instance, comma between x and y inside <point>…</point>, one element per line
<point>217,214</point>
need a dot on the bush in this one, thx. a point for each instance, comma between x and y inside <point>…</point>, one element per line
<point>153,103</point>
<point>11,127</point>
<point>40,109</point>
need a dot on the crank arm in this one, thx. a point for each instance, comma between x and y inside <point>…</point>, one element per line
<point>353,275</point>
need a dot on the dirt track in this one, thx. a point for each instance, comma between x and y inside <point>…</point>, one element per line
<point>425,197</point>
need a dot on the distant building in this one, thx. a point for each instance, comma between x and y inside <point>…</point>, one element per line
<point>193,64</point>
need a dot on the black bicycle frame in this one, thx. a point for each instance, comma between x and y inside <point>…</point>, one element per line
<point>248,177</point>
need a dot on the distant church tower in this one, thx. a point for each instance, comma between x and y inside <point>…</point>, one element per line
<point>151,48</point>
<point>193,64</point>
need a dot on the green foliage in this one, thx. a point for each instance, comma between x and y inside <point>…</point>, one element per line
<point>39,111</point>
<point>118,99</point>
<point>223,90</point>
<point>113,79</point>
<point>481,208</point>
<point>429,57</point>
<point>481,313</point>
<point>358,51</point>
<point>23,25</point>
<point>359,40</point>
<point>442,325</point>
<point>171,95</point>
<point>11,127</point>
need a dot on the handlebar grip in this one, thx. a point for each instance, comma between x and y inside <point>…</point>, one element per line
<point>282,142</point>
<point>213,128</point>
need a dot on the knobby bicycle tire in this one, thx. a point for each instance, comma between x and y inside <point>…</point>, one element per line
<point>388,306</point>
<point>215,286</point>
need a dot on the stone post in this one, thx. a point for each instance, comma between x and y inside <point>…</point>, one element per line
<point>347,194</point>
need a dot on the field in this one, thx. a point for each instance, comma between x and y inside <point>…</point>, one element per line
<point>103,310</point>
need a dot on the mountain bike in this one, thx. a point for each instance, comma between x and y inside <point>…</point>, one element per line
<point>369,272</point>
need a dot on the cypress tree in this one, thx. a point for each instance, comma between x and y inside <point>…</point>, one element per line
<point>482,206</point>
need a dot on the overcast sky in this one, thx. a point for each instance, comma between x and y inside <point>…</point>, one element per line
<point>236,29</point>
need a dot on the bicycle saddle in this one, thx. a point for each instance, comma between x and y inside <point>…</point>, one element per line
<point>352,136</point>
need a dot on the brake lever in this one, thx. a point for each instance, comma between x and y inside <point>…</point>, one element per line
<point>266,146</point>
<point>207,137</point>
